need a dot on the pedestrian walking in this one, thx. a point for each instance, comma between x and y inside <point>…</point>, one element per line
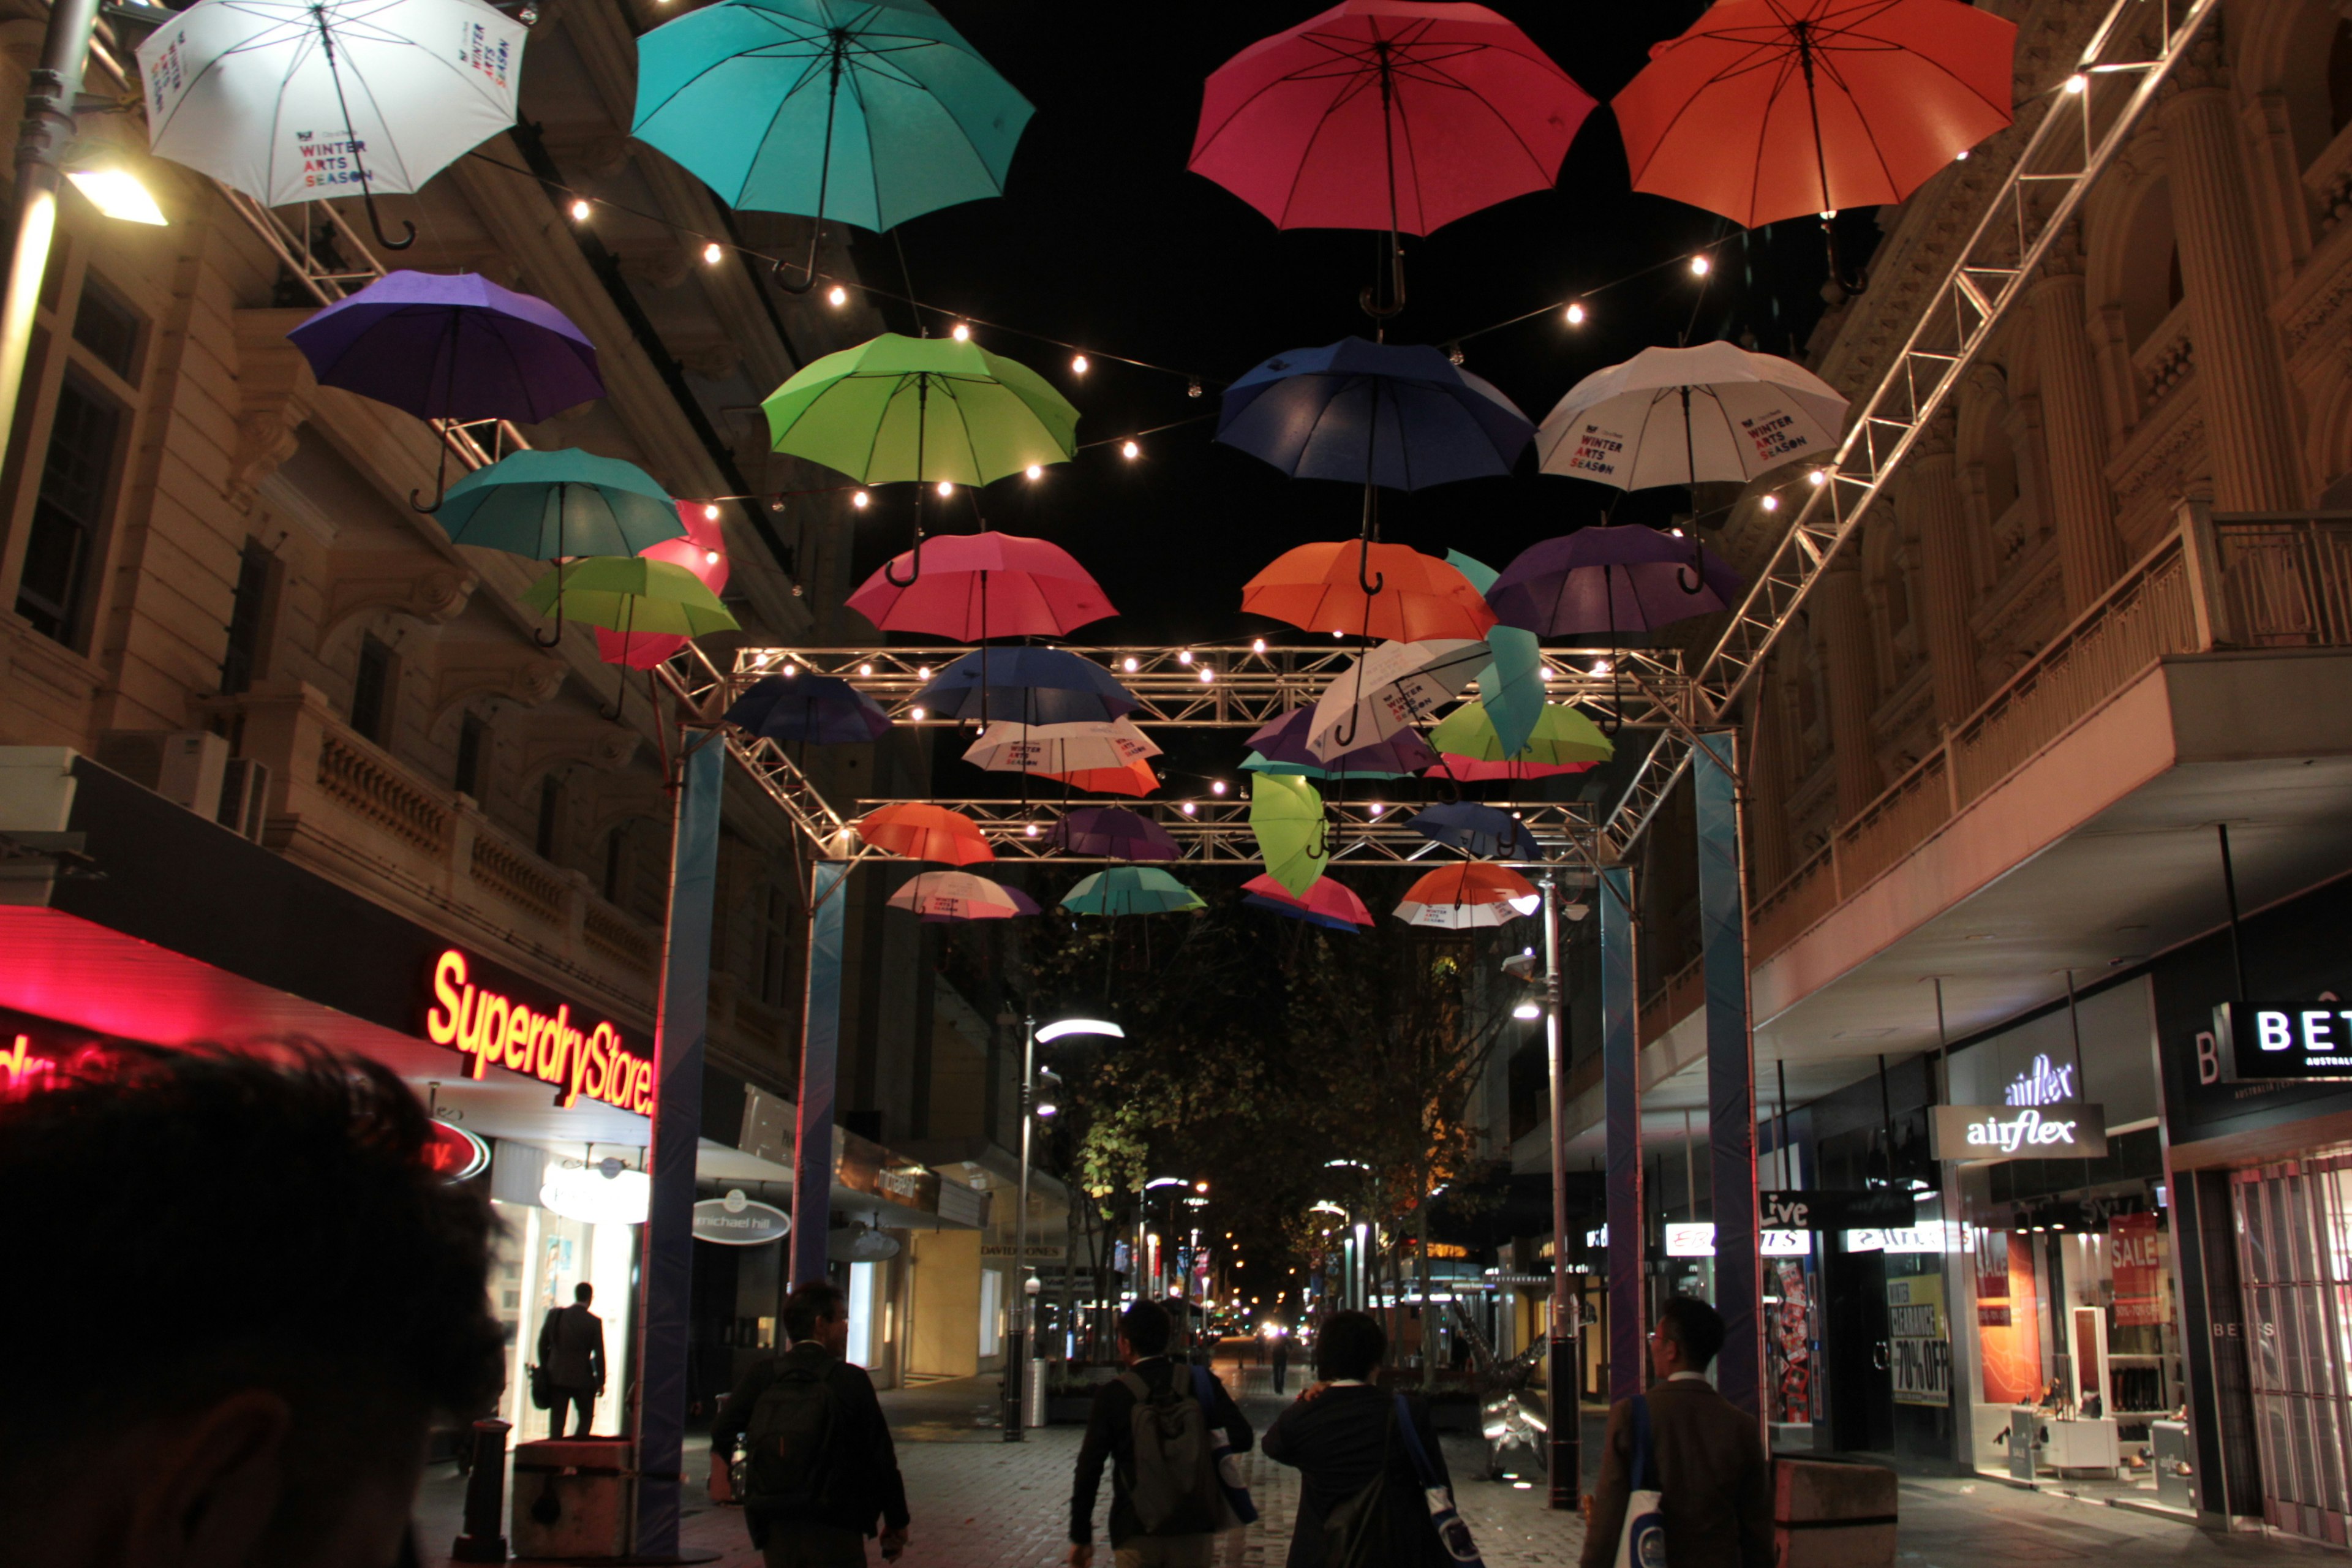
<point>1706,1461</point>
<point>1353,1448</point>
<point>1281,1356</point>
<point>1157,1423</point>
<point>572,1354</point>
<point>820,1468</point>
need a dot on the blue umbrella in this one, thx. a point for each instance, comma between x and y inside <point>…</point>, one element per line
<point>1032,685</point>
<point>1279,746</point>
<point>1402,416</point>
<point>821,710</point>
<point>1480,831</point>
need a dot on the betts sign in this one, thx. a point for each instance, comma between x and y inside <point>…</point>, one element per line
<point>1979,1132</point>
<point>2307,1041</point>
<point>487,1028</point>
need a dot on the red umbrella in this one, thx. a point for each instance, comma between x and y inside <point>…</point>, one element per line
<point>1409,597</point>
<point>921,832</point>
<point>1775,109</point>
<point>977,585</point>
<point>701,551</point>
<point>1327,898</point>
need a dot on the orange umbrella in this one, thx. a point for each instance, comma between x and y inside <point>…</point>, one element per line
<point>1135,778</point>
<point>1776,108</point>
<point>1473,893</point>
<point>925,833</point>
<point>1411,597</point>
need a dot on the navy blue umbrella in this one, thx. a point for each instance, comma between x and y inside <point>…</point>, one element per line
<point>1027,685</point>
<point>1480,831</point>
<point>823,709</point>
<point>1400,414</point>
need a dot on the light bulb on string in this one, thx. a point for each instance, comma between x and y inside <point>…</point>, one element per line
<point>580,210</point>
<point>1770,503</point>
<point>2076,83</point>
<point>1216,786</point>
<point>710,512</point>
<point>961,333</point>
<point>711,253</point>
<point>1258,645</point>
<point>946,489</point>
<point>1130,450</point>
<point>861,500</point>
<point>1575,312</point>
<point>1700,266</point>
<point>1128,664</point>
<point>923,672</point>
<point>710,558</point>
<point>1035,472</point>
<point>836,296</point>
<point>1817,477</point>
<point>1078,364</point>
<point>916,714</point>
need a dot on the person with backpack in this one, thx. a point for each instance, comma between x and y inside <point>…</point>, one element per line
<point>1705,1459</point>
<point>1159,1425</point>
<point>819,1464</point>
<point>1365,1459</point>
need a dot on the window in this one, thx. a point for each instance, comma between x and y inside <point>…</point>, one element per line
<point>257,577</point>
<point>472,748</point>
<point>109,329</point>
<point>70,509</point>
<point>551,808</point>
<point>374,690</point>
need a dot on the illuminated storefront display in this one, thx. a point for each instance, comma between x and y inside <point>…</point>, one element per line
<point>485,1028</point>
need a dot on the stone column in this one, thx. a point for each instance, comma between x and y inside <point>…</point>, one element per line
<point>2250,428</point>
<point>1845,643</point>
<point>1945,580</point>
<point>2082,508</point>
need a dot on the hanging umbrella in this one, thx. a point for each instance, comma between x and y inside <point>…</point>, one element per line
<point>1464,770</point>
<point>1135,778</point>
<point>957,896</point>
<point>548,505</point>
<point>820,710</point>
<point>1279,746</point>
<point>629,593</point>
<point>973,586</point>
<point>703,552</point>
<point>1329,903</point>
<point>1625,578</point>
<point>1286,816</point>
<point>1766,109</point>
<point>1479,831</point>
<point>872,112</point>
<point>1401,415</point>
<point>920,832</point>
<point>1368,590</point>
<point>451,346</point>
<point>1009,748</point>
<point>1560,737</point>
<point>1481,575</point>
<point>1131,890</point>
<point>1022,904</point>
<point>296,101</point>
<point>1685,416</point>
<point>1392,687</point>
<point>1114,833</point>
<point>1042,685</point>
<point>1468,896</point>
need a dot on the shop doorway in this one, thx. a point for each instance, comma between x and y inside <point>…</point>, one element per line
<point>2294,1266</point>
<point>1857,1343</point>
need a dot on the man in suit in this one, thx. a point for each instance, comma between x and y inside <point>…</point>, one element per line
<point>1339,1435</point>
<point>1712,1477</point>
<point>571,1349</point>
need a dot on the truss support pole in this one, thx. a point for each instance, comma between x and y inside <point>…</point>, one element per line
<point>680,1030</point>
<point>1730,1071</point>
<point>1565,1466</point>
<point>820,1057</point>
<point>1622,1099</point>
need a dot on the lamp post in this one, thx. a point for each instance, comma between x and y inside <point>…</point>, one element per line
<point>1017,1350</point>
<point>1562,1378</point>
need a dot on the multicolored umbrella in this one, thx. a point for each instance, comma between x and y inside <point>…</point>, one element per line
<point>1131,890</point>
<point>1561,736</point>
<point>973,586</point>
<point>1112,743</point>
<point>1468,896</point>
<point>1686,416</point>
<point>1328,903</point>
<point>921,832</point>
<point>1352,588</point>
<point>1286,816</point>
<point>959,895</point>
<point>820,710</point>
<point>1113,832</point>
<point>1392,687</point>
<point>1402,416</point>
<point>1626,578</point>
<point>703,552</point>
<point>1479,831</point>
<point>451,346</point>
<point>1279,746</point>
<point>1036,685</point>
<point>551,505</point>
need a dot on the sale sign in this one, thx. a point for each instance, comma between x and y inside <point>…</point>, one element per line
<point>2136,1247</point>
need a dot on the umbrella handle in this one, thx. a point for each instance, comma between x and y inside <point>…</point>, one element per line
<point>914,554</point>
<point>375,221</point>
<point>1378,581</point>
<point>440,479</point>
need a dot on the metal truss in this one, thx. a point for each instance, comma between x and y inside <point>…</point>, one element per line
<point>2085,122</point>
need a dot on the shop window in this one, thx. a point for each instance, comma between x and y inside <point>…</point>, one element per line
<point>473,754</point>
<point>69,512</point>
<point>249,617</point>
<point>374,690</point>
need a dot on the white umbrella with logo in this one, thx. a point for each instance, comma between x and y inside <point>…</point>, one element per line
<point>1008,748</point>
<point>1392,687</point>
<point>1682,416</point>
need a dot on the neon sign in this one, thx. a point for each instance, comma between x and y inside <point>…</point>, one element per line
<point>2041,1084</point>
<point>487,1028</point>
<point>21,1072</point>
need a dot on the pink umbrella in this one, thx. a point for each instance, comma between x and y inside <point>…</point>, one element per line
<point>1326,898</point>
<point>978,586</point>
<point>702,551</point>
<point>1470,770</point>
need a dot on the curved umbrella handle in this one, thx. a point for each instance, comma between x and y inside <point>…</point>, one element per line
<point>915,554</point>
<point>375,221</point>
<point>1378,581</point>
<point>1321,847</point>
<point>440,479</point>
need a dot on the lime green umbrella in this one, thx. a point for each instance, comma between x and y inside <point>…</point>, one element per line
<point>629,593</point>
<point>1561,735</point>
<point>1286,814</point>
<point>922,409</point>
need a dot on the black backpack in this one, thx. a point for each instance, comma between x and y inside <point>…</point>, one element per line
<point>787,1442</point>
<point>1173,1487</point>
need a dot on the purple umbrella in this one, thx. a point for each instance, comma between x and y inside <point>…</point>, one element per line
<point>1609,580</point>
<point>1113,832</point>
<point>1280,747</point>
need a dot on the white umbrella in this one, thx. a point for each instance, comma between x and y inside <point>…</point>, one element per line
<point>1680,416</point>
<point>1393,687</point>
<point>296,102</point>
<point>1458,917</point>
<point>1059,748</point>
<point>955,896</point>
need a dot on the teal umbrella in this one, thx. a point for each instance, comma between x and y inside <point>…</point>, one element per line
<point>1482,577</point>
<point>1512,686</point>
<point>552,505</point>
<point>1131,890</point>
<point>868,110</point>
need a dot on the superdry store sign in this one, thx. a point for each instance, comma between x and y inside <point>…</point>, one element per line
<point>491,1028</point>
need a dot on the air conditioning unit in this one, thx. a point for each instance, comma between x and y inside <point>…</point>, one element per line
<point>245,797</point>
<point>186,767</point>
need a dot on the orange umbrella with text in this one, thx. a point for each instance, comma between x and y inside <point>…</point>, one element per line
<point>920,832</point>
<point>1468,896</point>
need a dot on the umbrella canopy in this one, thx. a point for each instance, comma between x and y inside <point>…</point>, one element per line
<point>1322,587</point>
<point>1007,748</point>
<point>1392,687</point>
<point>451,347</point>
<point>1131,890</point>
<point>1113,832</point>
<point>957,896</point>
<point>1775,109</point>
<point>1392,114</point>
<point>703,552</point>
<point>1279,746</point>
<point>973,586</point>
<point>1135,778</point>
<point>629,594</point>
<point>1681,417</point>
<point>1396,415</point>
<point>1511,687</point>
<point>920,832</point>
<point>922,409</point>
<point>551,504</point>
<point>823,709</point>
<point>867,111</point>
<point>1022,904</point>
<point>1560,737</point>
<point>1038,685</point>
<point>1470,770</point>
<point>1481,831</point>
<point>1287,817</point>
<point>1481,575</point>
<point>1468,896</point>
<point>1329,903</point>
<point>292,100</point>
<point>1611,579</point>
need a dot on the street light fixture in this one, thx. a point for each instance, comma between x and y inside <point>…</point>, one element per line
<point>1018,1353</point>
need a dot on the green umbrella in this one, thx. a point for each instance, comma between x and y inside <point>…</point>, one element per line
<point>548,505</point>
<point>629,593</point>
<point>1561,735</point>
<point>1286,814</point>
<point>1131,890</point>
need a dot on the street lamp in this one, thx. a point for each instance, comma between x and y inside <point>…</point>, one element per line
<point>1025,1314</point>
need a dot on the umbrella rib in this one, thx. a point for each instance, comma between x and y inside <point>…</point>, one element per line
<point>1761,54</point>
